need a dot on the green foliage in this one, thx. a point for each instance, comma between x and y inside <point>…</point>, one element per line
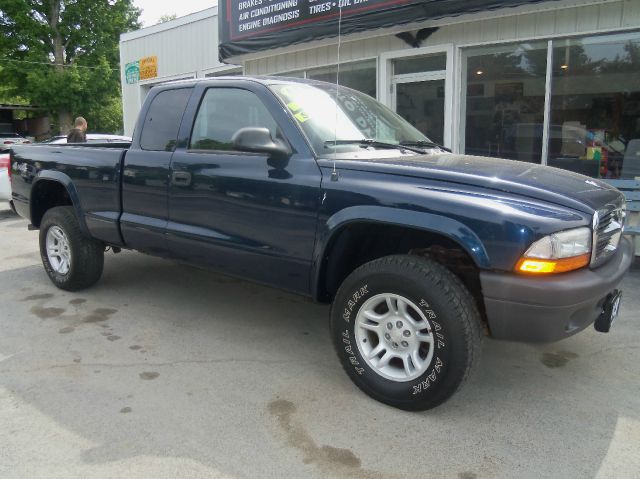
<point>107,118</point>
<point>8,95</point>
<point>167,18</point>
<point>63,54</point>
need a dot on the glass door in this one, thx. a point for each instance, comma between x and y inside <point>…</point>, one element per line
<point>422,104</point>
<point>420,93</point>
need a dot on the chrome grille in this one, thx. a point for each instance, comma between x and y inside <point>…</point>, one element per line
<point>607,230</point>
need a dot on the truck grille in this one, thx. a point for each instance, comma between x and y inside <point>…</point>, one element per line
<point>607,231</point>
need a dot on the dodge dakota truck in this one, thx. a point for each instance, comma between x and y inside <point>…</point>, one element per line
<point>322,191</point>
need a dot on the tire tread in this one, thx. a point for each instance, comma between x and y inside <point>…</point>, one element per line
<point>87,253</point>
<point>456,294</point>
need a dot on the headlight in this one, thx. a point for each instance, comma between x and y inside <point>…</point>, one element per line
<point>558,253</point>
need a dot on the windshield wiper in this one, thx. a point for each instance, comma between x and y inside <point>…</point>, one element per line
<point>374,143</point>
<point>424,144</point>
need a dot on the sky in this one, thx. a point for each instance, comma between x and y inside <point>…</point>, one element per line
<point>154,9</point>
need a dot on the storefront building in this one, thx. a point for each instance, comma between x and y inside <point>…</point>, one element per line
<point>179,49</point>
<point>547,82</point>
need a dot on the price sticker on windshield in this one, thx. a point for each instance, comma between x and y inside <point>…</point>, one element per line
<point>298,112</point>
<point>302,117</point>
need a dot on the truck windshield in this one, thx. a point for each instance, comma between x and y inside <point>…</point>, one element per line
<point>344,119</point>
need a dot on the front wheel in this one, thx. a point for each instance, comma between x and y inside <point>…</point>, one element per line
<point>406,330</point>
<point>72,260</point>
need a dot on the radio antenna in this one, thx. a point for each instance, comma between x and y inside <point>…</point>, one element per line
<point>334,174</point>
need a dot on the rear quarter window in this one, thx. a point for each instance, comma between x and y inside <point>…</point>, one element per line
<point>161,125</point>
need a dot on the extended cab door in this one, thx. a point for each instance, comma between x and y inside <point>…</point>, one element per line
<point>145,177</point>
<point>236,211</point>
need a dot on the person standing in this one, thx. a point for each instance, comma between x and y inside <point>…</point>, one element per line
<point>79,133</point>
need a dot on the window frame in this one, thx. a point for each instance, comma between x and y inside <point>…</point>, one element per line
<point>386,77</point>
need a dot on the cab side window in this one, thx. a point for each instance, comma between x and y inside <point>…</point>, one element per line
<point>161,125</point>
<point>222,113</point>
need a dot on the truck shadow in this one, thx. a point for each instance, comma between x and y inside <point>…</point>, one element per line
<point>7,214</point>
<point>198,362</point>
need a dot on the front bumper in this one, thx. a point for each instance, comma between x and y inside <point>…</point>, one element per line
<point>550,308</point>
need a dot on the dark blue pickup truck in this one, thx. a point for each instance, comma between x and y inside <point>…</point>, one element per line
<point>324,192</point>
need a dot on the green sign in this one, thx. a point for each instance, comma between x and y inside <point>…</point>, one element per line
<point>132,72</point>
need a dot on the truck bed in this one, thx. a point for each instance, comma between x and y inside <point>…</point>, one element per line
<point>91,173</point>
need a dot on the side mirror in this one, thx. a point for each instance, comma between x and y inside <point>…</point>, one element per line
<point>259,140</point>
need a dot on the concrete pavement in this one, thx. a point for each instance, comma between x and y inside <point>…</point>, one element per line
<point>163,371</point>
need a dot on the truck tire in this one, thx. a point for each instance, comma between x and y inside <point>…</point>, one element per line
<point>407,331</point>
<point>72,260</point>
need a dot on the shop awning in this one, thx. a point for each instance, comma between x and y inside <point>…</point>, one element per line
<point>248,26</point>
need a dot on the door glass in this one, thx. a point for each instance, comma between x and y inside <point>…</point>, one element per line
<point>505,101</point>
<point>222,113</point>
<point>422,104</point>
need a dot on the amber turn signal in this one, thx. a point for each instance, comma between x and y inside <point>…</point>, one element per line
<point>549,266</point>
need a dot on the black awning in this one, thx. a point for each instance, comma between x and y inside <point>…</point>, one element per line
<point>248,26</point>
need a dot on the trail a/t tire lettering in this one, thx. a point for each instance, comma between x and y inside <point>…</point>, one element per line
<point>353,302</point>
<point>431,306</point>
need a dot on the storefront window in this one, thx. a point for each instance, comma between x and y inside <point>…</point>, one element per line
<point>595,106</point>
<point>360,76</point>
<point>224,72</point>
<point>505,100</point>
<point>297,74</point>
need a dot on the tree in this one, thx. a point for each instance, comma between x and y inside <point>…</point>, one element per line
<point>63,54</point>
<point>167,18</point>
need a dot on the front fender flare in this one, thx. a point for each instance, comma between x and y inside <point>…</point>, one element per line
<point>428,222</point>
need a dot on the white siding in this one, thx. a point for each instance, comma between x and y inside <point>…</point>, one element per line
<point>186,48</point>
<point>553,19</point>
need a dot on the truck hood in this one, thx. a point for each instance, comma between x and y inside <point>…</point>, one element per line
<point>515,177</point>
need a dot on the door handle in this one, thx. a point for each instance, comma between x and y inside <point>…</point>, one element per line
<point>181,178</point>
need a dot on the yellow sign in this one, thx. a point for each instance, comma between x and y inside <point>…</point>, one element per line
<point>148,68</point>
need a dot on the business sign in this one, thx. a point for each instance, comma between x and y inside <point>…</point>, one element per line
<point>249,17</point>
<point>143,69</point>
<point>248,26</point>
<point>148,68</point>
<point>132,72</point>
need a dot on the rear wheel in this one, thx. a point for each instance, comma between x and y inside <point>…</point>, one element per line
<point>72,260</point>
<point>407,331</point>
